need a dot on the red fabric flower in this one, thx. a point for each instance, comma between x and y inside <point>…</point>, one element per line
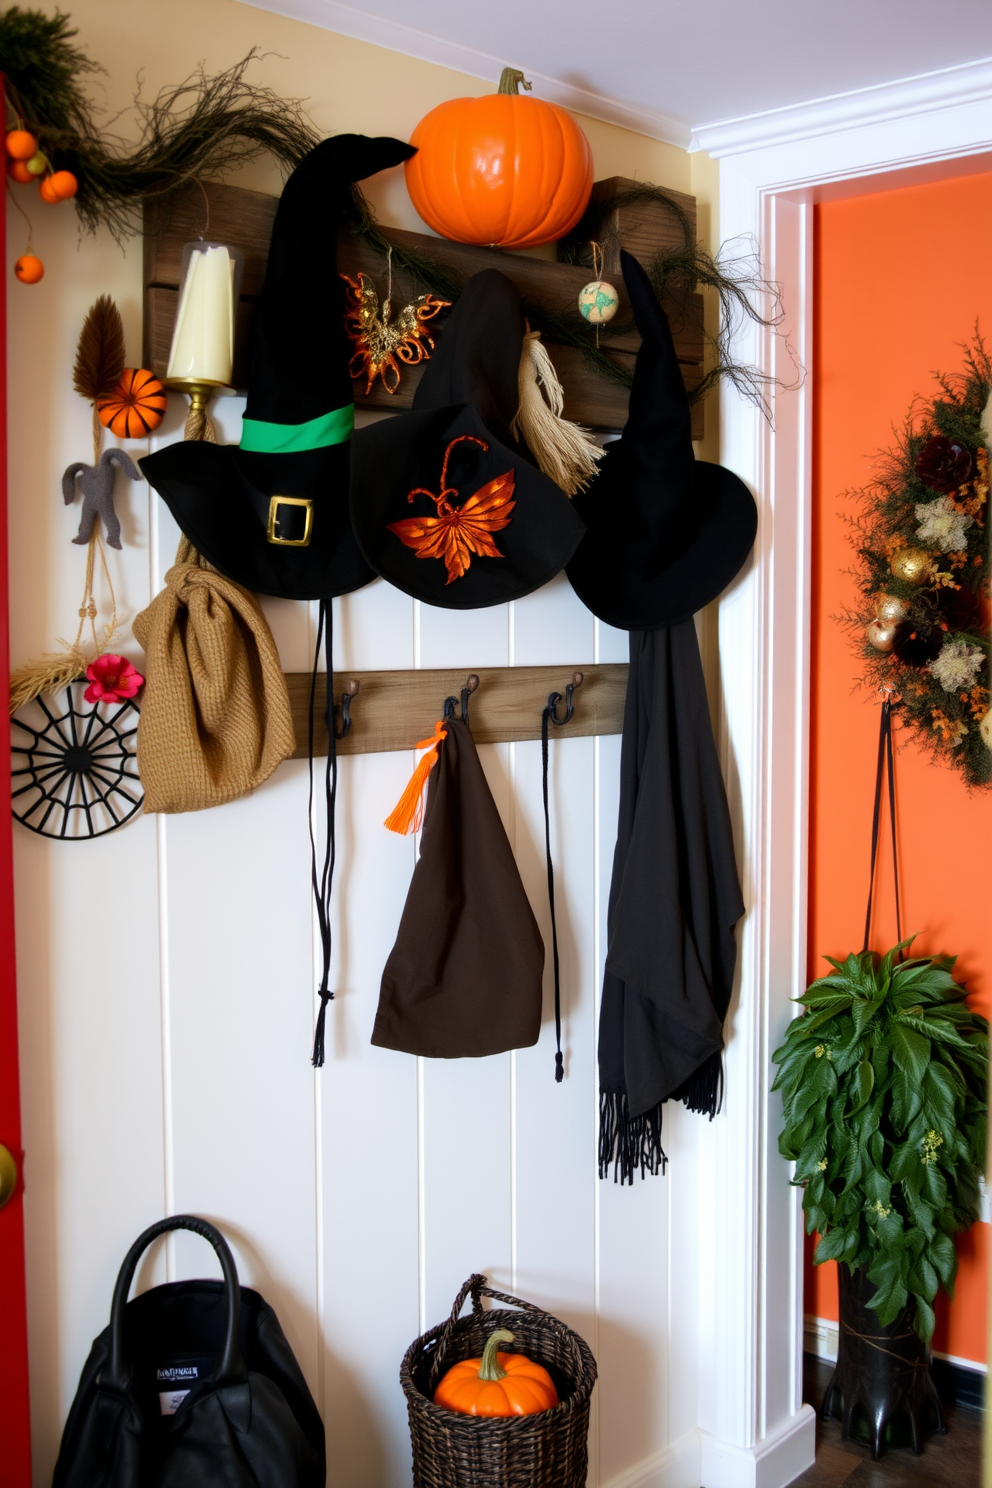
<point>943,464</point>
<point>112,679</point>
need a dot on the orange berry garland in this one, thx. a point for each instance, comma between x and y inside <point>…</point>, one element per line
<point>135,407</point>
<point>29,269</point>
<point>59,186</point>
<point>21,144</point>
<point>18,171</point>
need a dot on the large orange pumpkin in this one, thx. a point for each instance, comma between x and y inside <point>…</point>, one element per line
<point>502,171</point>
<point>497,1384</point>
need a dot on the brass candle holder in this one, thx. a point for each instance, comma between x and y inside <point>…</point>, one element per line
<point>198,422</point>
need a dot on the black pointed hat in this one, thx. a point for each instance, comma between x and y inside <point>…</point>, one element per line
<point>272,512</point>
<point>666,533</point>
<point>446,504</point>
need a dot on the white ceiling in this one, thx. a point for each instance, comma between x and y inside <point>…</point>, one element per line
<point>671,68</point>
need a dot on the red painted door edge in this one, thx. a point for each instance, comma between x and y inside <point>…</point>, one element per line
<point>15,1426</point>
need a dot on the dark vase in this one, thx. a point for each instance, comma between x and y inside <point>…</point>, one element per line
<point>882,1375</point>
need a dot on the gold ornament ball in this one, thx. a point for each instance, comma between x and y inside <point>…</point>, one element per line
<point>890,609</point>
<point>882,637</point>
<point>912,565</point>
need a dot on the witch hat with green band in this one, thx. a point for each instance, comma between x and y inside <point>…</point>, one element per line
<point>272,512</point>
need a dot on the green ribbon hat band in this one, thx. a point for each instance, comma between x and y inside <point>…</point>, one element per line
<point>335,427</point>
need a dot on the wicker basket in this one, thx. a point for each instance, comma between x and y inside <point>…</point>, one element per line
<point>546,1450</point>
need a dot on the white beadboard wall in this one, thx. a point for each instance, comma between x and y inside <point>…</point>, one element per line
<point>166,981</point>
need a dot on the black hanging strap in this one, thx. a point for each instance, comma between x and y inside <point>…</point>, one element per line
<point>545,718</point>
<point>884,766</point>
<point>322,878</point>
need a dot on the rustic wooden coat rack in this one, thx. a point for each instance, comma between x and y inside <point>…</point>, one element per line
<point>395,710</point>
<point>231,214</point>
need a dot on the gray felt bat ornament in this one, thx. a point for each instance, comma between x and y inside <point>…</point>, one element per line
<point>97,485</point>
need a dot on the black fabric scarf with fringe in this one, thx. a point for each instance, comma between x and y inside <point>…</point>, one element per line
<point>675,898</point>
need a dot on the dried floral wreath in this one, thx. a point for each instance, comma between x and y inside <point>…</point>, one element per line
<point>922,544</point>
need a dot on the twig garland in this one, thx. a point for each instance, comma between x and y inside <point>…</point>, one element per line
<point>676,273</point>
<point>921,542</point>
<point>202,125</point>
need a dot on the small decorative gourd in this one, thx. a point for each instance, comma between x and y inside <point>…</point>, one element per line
<point>497,1384</point>
<point>135,407</point>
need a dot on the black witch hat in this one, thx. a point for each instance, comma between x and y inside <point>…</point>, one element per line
<point>666,533</point>
<point>272,513</point>
<point>446,503</point>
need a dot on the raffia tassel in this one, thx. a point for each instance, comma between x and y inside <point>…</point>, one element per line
<point>408,813</point>
<point>564,451</point>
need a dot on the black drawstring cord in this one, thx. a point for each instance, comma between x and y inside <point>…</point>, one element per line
<point>884,765</point>
<point>322,882</point>
<point>545,718</point>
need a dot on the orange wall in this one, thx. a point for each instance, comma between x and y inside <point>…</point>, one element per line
<point>900,278</point>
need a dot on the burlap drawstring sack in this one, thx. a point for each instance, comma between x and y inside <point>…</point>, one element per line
<point>215,717</point>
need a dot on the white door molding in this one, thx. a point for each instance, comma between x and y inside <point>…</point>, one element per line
<point>755,1428</point>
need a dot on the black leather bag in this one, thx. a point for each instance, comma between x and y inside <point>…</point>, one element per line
<point>193,1385</point>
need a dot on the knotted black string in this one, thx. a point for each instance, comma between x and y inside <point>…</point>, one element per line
<point>322,880</point>
<point>559,1063</point>
<point>884,766</point>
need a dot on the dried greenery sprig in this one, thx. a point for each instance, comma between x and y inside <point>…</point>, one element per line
<point>677,273</point>
<point>205,124</point>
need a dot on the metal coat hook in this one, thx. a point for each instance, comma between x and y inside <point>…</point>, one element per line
<point>471,684</point>
<point>555,698</point>
<point>342,730</point>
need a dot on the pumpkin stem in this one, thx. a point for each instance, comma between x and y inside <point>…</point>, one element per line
<point>490,1369</point>
<point>510,79</point>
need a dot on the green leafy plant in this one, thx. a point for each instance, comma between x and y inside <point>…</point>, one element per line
<point>883,1082</point>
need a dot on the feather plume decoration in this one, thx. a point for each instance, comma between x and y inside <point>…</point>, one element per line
<point>100,355</point>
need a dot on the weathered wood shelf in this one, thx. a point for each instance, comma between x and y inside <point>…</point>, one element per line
<point>395,710</point>
<point>244,218</point>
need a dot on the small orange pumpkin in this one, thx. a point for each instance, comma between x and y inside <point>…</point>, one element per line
<point>135,407</point>
<point>18,171</point>
<point>500,171</point>
<point>497,1384</point>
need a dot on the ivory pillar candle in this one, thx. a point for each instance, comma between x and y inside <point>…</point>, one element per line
<point>203,339</point>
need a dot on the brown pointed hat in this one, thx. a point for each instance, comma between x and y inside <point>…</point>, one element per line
<point>464,978</point>
<point>445,502</point>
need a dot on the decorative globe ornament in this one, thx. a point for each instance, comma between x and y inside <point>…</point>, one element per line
<point>598,302</point>
<point>912,565</point>
<point>890,609</point>
<point>882,637</point>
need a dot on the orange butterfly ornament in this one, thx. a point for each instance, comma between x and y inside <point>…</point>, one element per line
<point>458,532</point>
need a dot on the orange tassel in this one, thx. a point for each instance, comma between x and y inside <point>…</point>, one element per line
<point>408,813</point>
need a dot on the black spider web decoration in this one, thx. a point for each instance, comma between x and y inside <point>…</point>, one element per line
<point>75,777</point>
